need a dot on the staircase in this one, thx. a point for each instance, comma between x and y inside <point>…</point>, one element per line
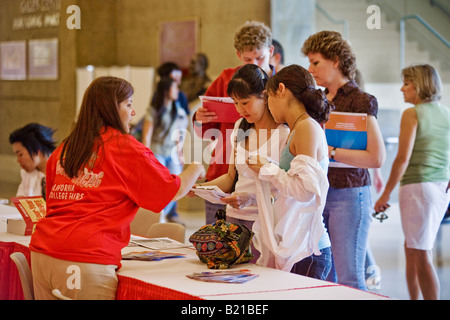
<point>378,59</point>
<point>377,51</point>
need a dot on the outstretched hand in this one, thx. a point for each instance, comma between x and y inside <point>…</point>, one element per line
<point>240,200</point>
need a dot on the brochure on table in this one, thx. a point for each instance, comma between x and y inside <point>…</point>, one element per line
<point>151,255</point>
<point>229,276</point>
<point>157,243</point>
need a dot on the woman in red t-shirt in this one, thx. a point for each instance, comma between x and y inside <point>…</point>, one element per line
<point>96,181</point>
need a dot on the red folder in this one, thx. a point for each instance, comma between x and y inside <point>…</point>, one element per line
<point>223,107</point>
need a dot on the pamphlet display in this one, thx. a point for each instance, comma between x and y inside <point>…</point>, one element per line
<point>32,210</point>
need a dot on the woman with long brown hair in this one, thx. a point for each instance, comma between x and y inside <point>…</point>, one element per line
<point>96,181</point>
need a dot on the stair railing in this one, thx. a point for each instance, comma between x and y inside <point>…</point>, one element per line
<point>335,21</point>
<point>402,35</point>
<point>435,3</point>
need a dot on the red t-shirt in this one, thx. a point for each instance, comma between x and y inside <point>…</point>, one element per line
<point>88,217</point>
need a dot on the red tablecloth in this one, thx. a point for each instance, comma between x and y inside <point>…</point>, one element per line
<point>10,286</point>
<point>164,282</point>
<point>128,289</point>
<point>133,289</point>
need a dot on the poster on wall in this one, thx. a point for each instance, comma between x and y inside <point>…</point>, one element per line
<point>178,41</point>
<point>43,59</point>
<point>13,62</point>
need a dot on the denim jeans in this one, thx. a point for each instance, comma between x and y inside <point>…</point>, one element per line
<point>317,267</point>
<point>175,167</point>
<point>210,211</point>
<point>347,217</point>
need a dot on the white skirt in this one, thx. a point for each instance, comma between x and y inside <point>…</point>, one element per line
<point>422,207</point>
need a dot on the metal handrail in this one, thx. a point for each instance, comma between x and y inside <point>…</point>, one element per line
<point>330,18</point>
<point>402,35</point>
<point>440,7</point>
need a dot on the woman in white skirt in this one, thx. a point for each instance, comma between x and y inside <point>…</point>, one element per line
<point>422,168</point>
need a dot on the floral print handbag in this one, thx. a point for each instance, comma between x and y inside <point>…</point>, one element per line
<point>223,244</point>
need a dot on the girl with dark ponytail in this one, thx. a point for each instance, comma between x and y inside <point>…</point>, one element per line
<point>301,84</point>
<point>301,178</point>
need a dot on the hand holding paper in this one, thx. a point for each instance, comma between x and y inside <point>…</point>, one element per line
<point>217,109</point>
<point>203,115</point>
<point>212,194</point>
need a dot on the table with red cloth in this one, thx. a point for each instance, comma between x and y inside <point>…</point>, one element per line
<point>167,279</point>
<point>10,286</point>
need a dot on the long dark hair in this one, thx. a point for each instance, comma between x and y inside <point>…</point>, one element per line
<point>249,80</point>
<point>162,89</point>
<point>300,82</point>
<point>100,108</point>
<point>34,137</point>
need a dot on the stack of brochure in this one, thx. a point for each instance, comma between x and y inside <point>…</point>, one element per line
<point>157,243</point>
<point>229,276</point>
<point>150,255</point>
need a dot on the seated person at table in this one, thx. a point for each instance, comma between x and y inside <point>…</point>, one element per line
<point>96,181</point>
<point>32,145</point>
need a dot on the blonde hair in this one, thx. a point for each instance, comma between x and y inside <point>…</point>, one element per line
<point>252,35</point>
<point>332,46</point>
<point>426,80</point>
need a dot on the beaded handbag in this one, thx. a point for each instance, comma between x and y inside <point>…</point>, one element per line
<point>222,244</point>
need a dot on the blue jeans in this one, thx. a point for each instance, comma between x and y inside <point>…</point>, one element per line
<point>347,217</point>
<point>210,211</point>
<point>317,267</point>
<point>174,168</point>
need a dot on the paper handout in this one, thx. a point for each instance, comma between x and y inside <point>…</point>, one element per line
<point>212,194</point>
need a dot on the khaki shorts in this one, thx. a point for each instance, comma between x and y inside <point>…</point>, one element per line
<point>75,280</point>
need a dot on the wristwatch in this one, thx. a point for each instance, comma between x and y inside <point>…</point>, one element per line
<point>333,153</point>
